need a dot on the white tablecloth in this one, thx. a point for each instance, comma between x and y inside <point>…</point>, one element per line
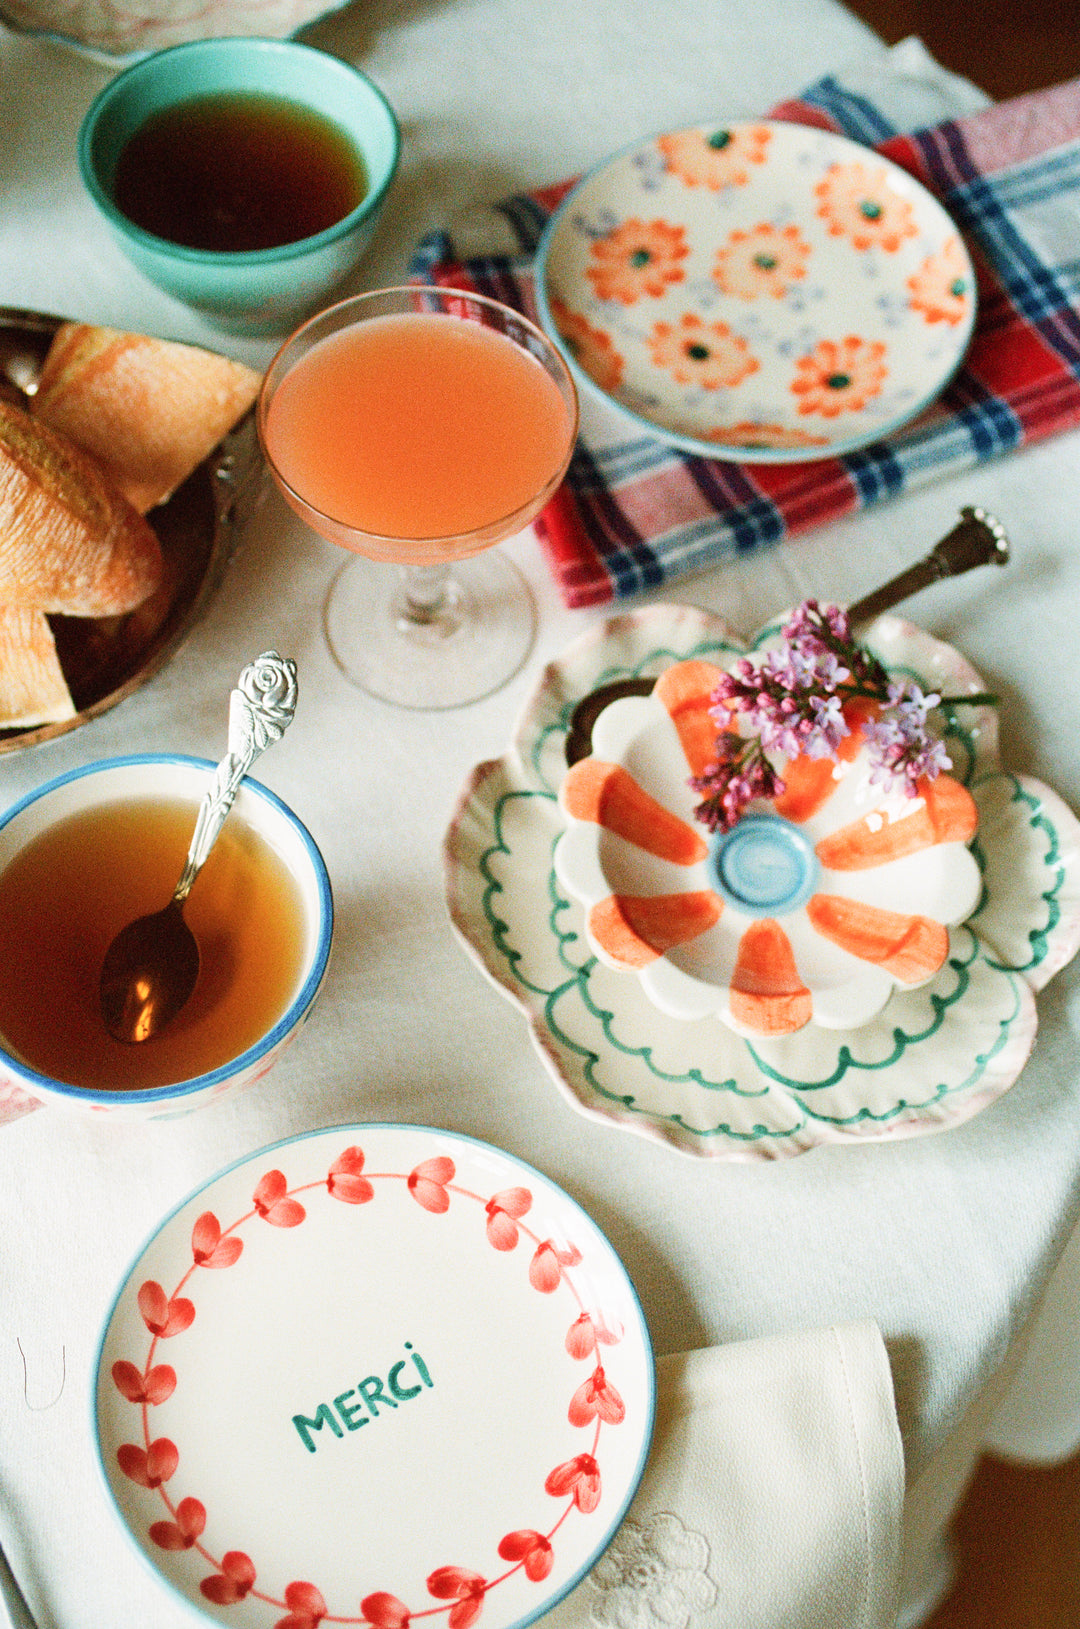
<point>946,1242</point>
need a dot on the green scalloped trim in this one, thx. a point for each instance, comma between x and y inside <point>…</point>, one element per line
<point>954,731</point>
<point>901,1039</point>
<point>1038,937</point>
<point>578,981</point>
<point>498,928</point>
<point>905,1105</point>
<point>591,1058</point>
<point>690,1077</point>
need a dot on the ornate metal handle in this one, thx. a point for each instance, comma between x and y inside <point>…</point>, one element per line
<point>261,709</point>
<point>978,539</point>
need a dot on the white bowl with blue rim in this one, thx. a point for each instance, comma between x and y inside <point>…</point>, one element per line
<point>176,777</point>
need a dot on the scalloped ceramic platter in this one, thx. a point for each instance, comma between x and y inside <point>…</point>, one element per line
<point>764,292</point>
<point>934,1055</point>
<point>371,1374</point>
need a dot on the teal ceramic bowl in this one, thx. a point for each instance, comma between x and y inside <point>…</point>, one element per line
<point>260,291</point>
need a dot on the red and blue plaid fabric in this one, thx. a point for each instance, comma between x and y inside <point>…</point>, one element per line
<point>635,513</point>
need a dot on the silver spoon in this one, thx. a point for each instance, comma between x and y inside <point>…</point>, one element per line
<point>152,965</point>
<point>977,539</point>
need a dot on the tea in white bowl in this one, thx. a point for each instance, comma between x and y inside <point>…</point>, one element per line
<point>90,853</point>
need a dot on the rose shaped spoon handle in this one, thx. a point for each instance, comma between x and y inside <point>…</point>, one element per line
<point>260,711</point>
<point>152,965</point>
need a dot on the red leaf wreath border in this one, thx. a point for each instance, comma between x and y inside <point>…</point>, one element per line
<point>431,1184</point>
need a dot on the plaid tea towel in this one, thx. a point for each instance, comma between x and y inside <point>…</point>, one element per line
<point>635,513</point>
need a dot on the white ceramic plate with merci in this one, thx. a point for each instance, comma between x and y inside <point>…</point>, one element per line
<point>932,1058</point>
<point>371,1374</point>
<point>765,292</point>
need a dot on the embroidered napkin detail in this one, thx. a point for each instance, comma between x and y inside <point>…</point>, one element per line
<point>773,1493</point>
<point>635,513</point>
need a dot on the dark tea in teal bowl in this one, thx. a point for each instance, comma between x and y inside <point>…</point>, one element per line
<point>244,177</point>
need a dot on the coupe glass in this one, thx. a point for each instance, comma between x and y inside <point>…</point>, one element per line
<point>421,459</point>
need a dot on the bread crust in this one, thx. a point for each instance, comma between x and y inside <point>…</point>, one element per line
<point>69,542</point>
<point>150,410</point>
<point>33,690</point>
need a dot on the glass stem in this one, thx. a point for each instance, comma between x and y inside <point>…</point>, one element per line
<point>424,596</point>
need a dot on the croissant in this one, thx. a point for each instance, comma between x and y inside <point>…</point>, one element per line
<point>33,689</point>
<point>150,410</point>
<point>69,542</point>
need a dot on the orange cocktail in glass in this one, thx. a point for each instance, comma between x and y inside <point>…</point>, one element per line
<point>420,426</point>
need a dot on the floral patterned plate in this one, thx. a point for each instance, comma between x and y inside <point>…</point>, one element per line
<point>371,1374</point>
<point>765,292</point>
<point>813,909</point>
<point>932,1057</point>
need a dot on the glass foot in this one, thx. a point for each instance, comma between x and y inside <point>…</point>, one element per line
<point>430,637</point>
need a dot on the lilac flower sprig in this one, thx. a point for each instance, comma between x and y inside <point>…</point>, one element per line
<point>792,703</point>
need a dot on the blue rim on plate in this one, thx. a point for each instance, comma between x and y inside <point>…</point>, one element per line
<point>764,292</point>
<point>501,1439</point>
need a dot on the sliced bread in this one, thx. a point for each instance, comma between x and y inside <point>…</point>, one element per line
<point>150,410</point>
<point>69,542</point>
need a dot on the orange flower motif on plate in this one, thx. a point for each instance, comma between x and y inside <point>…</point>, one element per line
<point>761,260</point>
<point>941,288</point>
<point>840,376</point>
<point>590,347</point>
<point>858,203</point>
<point>715,158</point>
<point>848,891</point>
<point>637,258</point>
<point>747,434</point>
<point>701,353</point>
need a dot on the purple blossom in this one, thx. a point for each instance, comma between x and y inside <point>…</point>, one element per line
<point>814,624</point>
<point>791,702</point>
<point>900,747</point>
<point>911,702</point>
<point>739,774</point>
<point>830,726</point>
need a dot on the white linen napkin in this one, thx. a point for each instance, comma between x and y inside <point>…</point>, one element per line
<point>772,1498</point>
